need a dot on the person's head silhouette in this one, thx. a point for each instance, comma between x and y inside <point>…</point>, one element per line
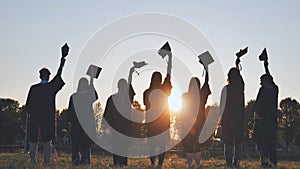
<point>44,74</point>
<point>235,80</point>
<point>156,80</point>
<point>122,86</point>
<point>234,76</point>
<point>266,80</point>
<point>83,84</point>
<point>194,85</point>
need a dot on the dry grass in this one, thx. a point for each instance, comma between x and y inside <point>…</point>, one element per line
<point>18,160</point>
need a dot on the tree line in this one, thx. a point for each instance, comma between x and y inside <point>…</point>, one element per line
<point>13,122</point>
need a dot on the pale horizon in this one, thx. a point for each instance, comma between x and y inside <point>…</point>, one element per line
<point>32,34</point>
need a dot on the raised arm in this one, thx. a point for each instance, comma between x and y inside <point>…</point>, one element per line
<point>64,53</point>
<point>237,63</point>
<point>62,63</point>
<point>130,75</point>
<point>206,75</point>
<point>169,68</point>
<point>92,82</point>
<point>92,88</point>
<point>266,65</point>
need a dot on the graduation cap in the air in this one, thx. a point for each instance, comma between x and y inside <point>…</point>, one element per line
<point>65,50</point>
<point>242,52</point>
<point>94,71</point>
<point>139,64</point>
<point>264,55</point>
<point>164,50</point>
<point>205,59</point>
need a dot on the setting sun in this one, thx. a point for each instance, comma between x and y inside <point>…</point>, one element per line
<point>174,100</point>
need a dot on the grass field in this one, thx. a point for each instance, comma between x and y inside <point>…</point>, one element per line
<point>212,159</point>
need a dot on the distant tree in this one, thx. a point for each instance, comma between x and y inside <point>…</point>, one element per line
<point>249,121</point>
<point>297,137</point>
<point>137,105</point>
<point>98,111</point>
<point>141,128</point>
<point>62,125</point>
<point>11,121</point>
<point>289,119</point>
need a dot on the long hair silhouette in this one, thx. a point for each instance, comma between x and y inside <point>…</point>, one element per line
<point>235,80</point>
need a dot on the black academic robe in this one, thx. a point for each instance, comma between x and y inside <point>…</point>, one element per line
<point>162,123</point>
<point>40,105</point>
<point>266,108</point>
<point>232,121</point>
<point>190,142</point>
<point>113,115</point>
<point>81,106</point>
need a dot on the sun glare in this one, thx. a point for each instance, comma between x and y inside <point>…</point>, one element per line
<point>175,101</point>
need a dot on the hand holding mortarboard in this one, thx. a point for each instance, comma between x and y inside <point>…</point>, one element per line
<point>206,59</point>
<point>137,65</point>
<point>264,57</point>
<point>242,52</point>
<point>64,51</point>
<point>239,54</point>
<point>165,50</point>
<point>94,71</point>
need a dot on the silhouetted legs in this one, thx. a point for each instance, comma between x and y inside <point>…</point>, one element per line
<point>267,151</point>
<point>75,151</point>
<point>197,157</point>
<point>119,160</point>
<point>86,156</point>
<point>47,151</point>
<point>189,157</point>
<point>81,152</point>
<point>152,160</point>
<point>233,154</point>
<point>161,158</point>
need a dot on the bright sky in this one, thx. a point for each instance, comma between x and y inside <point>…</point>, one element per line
<point>33,32</point>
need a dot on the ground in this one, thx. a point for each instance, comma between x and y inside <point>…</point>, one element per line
<point>210,159</point>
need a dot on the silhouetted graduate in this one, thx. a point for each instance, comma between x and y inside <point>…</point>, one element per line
<point>265,115</point>
<point>232,108</point>
<point>40,105</point>
<point>193,108</point>
<point>162,123</point>
<point>117,114</point>
<point>81,106</point>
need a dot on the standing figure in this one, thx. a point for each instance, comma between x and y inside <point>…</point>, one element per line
<point>232,121</point>
<point>117,114</point>
<point>158,101</point>
<point>80,112</point>
<point>40,106</point>
<point>265,119</point>
<point>195,99</point>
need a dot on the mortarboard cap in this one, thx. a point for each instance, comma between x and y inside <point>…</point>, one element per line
<point>242,52</point>
<point>205,59</point>
<point>164,50</point>
<point>65,50</point>
<point>94,71</point>
<point>264,55</point>
<point>139,64</point>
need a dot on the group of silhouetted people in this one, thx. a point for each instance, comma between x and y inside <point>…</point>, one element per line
<point>265,116</point>
<point>40,106</point>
